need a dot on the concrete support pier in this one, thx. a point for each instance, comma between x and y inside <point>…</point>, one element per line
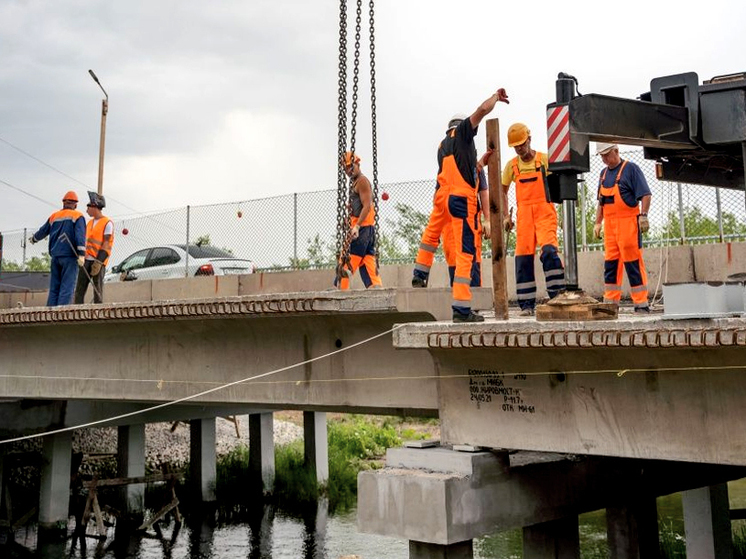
<point>131,463</point>
<point>262,449</point>
<point>632,530</point>
<point>557,539</point>
<point>316,444</point>
<point>422,550</point>
<point>202,457</point>
<point>54,495</point>
<point>707,522</point>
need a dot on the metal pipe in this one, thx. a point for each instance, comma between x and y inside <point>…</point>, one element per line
<point>102,140</point>
<point>583,217</point>
<point>295,228</point>
<point>682,227</point>
<point>186,266</point>
<point>720,213</point>
<point>571,247</point>
<point>23,244</point>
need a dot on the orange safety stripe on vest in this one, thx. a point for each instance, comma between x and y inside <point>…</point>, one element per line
<point>618,207</point>
<point>94,238</point>
<point>529,187</point>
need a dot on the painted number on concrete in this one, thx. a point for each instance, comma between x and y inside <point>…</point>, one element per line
<point>498,389</point>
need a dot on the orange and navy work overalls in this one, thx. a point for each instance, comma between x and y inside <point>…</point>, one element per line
<point>536,222</point>
<point>362,249</point>
<point>622,244</point>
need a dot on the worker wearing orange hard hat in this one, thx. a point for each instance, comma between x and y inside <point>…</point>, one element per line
<point>66,231</point>
<point>623,204</point>
<point>536,219</point>
<point>362,235</point>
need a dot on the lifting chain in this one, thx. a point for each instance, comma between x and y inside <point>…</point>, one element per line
<point>374,153</point>
<point>342,129</point>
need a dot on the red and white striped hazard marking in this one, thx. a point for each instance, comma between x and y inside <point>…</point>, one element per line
<point>558,133</point>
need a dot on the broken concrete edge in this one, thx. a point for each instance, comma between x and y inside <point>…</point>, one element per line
<point>647,332</point>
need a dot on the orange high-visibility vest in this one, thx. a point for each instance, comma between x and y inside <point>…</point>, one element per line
<point>529,187</point>
<point>94,238</point>
<point>614,206</point>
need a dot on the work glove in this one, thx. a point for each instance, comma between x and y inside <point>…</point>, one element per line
<point>355,232</point>
<point>32,240</point>
<point>508,221</point>
<point>643,223</point>
<point>597,230</point>
<point>81,261</point>
<point>486,229</point>
<point>96,268</point>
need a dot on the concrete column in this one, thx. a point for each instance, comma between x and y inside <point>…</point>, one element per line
<point>131,463</point>
<point>422,550</point>
<point>202,457</point>
<point>315,441</point>
<point>262,449</point>
<point>54,495</point>
<point>558,539</point>
<point>632,530</point>
<point>707,523</point>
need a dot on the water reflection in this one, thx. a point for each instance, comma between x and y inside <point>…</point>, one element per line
<point>260,528</point>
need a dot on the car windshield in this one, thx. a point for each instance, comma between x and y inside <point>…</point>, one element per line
<point>206,251</point>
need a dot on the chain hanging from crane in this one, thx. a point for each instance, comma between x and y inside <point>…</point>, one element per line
<point>343,185</point>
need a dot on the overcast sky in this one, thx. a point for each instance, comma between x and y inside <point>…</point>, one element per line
<point>232,100</point>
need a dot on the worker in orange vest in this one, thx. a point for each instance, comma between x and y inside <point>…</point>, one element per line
<point>623,204</point>
<point>362,228</point>
<point>98,244</point>
<point>66,230</point>
<point>536,219</point>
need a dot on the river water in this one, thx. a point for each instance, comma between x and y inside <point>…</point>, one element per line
<point>274,535</point>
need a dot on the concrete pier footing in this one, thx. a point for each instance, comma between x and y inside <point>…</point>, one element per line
<point>131,463</point>
<point>202,457</point>
<point>632,530</point>
<point>54,495</point>
<point>262,449</point>
<point>707,522</point>
<point>422,550</point>
<point>316,444</point>
<point>557,539</point>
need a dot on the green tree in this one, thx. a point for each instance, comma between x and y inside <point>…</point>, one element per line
<point>41,263</point>
<point>696,224</point>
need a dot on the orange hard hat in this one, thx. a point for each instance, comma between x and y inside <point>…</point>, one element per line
<point>348,158</point>
<point>70,195</point>
<point>517,134</point>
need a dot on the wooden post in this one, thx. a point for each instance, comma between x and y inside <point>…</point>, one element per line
<point>497,212</point>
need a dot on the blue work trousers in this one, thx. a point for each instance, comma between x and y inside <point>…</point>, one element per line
<point>64,274</point>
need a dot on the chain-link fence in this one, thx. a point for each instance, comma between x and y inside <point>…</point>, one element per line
<point>299,230</point>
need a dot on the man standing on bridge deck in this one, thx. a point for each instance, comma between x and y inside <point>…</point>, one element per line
<point>623,204</point>
<point>536,217</point>
<point>98,243</point>
<point>457,172</point>
<point>362,251</point>
<point>66,230</point>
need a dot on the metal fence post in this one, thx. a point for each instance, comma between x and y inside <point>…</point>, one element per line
<point>186,266</point>
<point>720,213</point>
<point>682,227</point>
<point>23,245</point>
<point>295,229</point>
<point>583,224</point>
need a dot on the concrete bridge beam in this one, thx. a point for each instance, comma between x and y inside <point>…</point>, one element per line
<point>54,495</point>
<point>316,444</point>
<point>707,522</point>
<point>262,450</point>
<point>131,463</point>
<point>202,465</point>
<point>556,539</point>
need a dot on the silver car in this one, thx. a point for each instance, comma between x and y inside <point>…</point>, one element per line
<point>170,261</point>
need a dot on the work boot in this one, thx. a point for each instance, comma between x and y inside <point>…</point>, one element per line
<point>642,310</point>
<point>419,282</point>
<point>471,317</point>
<point>526,312</point>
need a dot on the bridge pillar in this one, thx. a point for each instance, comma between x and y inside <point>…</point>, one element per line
<point>556,539</point>
<point>131,463</point>
<point>262,449</point>
<point>707,522</point>
<point>423,550</point>
<point>202,464</point>
<point>632,530</point>
<point>315,442</point>
<point>54,494</point>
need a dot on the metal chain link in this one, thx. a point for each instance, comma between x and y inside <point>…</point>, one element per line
<point>342,130</point>
<point>374,130</point>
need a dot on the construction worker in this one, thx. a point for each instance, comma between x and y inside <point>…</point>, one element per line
<point>99,239</point>
<point>438,227</point>
<point>457,173</point>
<point>362,235</point>
<point>536,219</point>
<point>66,230</point>
<point>623,204</point>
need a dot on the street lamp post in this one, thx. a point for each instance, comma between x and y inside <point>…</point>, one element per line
<point>104,111</point>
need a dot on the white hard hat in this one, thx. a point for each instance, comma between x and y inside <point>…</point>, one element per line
<point>456,119</point>
<point>603,149</point>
